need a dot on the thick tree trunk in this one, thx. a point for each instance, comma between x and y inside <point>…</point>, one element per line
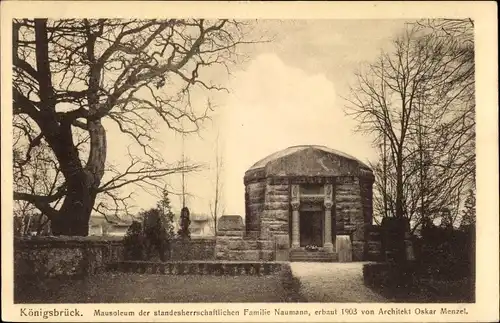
<point>74,215</point>
<point>82,183</point>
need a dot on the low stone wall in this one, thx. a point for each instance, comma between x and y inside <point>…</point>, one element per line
<point>233,242</point>
<point>218,268</point>
<point>232,245</point>
<point>64,256</point>
<point>193,249</point>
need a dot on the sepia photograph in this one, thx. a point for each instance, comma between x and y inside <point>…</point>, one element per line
<point>227,160</point>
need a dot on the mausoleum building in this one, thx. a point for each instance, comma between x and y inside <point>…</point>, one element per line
<point>308,203</point>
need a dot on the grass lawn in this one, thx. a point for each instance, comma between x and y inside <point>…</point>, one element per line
<point>154,288</point>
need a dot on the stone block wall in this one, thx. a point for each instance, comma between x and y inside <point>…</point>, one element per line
<point>254,204</point>
<point>366,190</point>
<point>274,219</point>
<point>47,256</point>
<point>236,247</point>
<point>350,218</point>
<point>233,243</point>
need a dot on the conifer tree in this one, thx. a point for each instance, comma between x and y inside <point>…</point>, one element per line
<point>166,214</point>
<point>184,232</point>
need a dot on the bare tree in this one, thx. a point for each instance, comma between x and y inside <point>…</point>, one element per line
<point>216,207</point>
<point>418,103</point>
<point>69,75</point>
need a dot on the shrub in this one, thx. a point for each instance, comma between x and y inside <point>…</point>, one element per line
<point>291,285</point>
<point>447,253</point>
<point>387,275</point>
<point>134,242</point>
<point>393,232</point>
<point>158,229</point>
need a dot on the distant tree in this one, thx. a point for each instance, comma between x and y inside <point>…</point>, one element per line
<point>446,219</point>
<point>19,227</point>
<point>184,232</point>
<point>417,100</point>
<point>469,211</point>
<point>30,224</point>
<point>216,207</point>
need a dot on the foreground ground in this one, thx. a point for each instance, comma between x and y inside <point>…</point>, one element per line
<point>311,282</point>
<point>149,288</point>
<point>334,282</point>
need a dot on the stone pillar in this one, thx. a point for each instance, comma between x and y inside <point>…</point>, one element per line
<point>295,226</point>
<point>328,245</point>
<point>295,202</point>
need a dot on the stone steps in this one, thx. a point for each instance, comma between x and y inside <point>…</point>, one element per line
<point>312,256</point>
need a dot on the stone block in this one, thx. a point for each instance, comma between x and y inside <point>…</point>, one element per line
<point>236,245</point>
<point>265,234</point>
<point>282,255</point>
<point>256,195</point>
<point>252,222</point>
<point>256,199</point>
<point>281,215</point>
<point>256,207</point>
<point>349,227</point>
<point>221,234</point>
<point>230,223</point>
<point>358,250</point>
<point>265,244</point>
<point>220,250</point>
<point>344,248</point>
<point>221,255</point>
<point>254,234</point>
<point>256,186</point>
<point>250,244</point>
<point>359,232</point>
<point>346,188</point>
<point>246,255</point>
<point>341,199</point>
<point>374,256</point>
<point>278,199</point>
<point>278,226</point>
<point>267,255</point>
<point>276,205</point>
<point>374,246</point>
<point>374,236</point>
<point>282,241</point>
<point>277,188</point>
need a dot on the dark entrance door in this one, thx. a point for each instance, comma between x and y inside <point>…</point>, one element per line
<point>311,228</point>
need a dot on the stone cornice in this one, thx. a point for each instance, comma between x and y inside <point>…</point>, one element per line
<point>286,180</point>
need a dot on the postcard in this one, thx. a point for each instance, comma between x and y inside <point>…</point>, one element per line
<point>249,161</point>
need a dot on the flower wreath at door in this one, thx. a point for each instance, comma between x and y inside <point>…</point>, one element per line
<point>312,248</point>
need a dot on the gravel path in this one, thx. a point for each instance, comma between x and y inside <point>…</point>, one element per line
<point>334,282</point>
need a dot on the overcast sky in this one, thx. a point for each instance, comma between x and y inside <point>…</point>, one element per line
<point>288,92</point>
